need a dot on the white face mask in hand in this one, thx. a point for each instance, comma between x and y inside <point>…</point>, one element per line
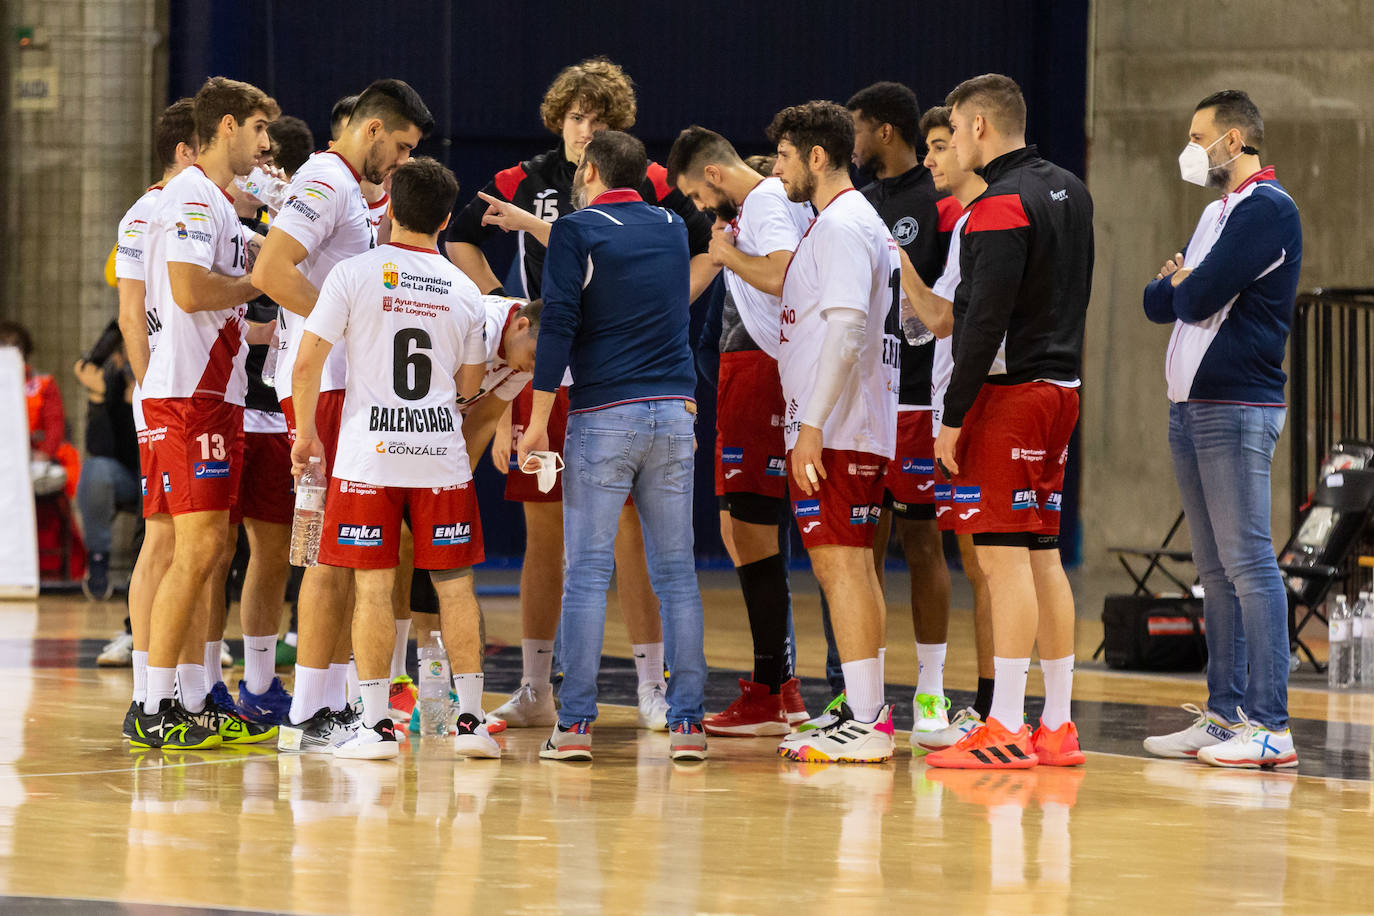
<point>546,466</point>
<point>1194,164</point>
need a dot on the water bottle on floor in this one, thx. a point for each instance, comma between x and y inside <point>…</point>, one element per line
<point>1365,676</point>
<point>434,687</point>
<point>308,522</point>
<point>1357,640</point>
<point>1338,665</point>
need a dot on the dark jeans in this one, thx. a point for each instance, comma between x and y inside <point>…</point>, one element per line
<point>105,488</point>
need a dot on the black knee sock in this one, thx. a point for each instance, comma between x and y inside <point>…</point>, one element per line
<point>764,584</point>
<point>982,704</point>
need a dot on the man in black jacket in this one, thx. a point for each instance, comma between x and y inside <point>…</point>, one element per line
<point>1026,257</point>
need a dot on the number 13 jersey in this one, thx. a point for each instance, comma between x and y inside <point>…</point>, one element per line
<point>408,320</point>
<point>847,260</point>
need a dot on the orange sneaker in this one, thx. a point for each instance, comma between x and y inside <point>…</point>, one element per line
<point>988,747</point>
<point>1058,748</point>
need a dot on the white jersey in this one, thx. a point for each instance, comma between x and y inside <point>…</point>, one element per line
<point>501,380</point>
<point>408,320</point>
<point>194,354</point>
<point>768,221</point>
<point>846,260</point>
<point>128,265</point>
<point>325,211</point>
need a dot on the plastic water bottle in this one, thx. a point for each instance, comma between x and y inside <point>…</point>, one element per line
<point>913,329</point>
<point>1365,676</point>
<point>267,188</point>
<point>1357,640</point>
<point>1338,671</point>
<point>434,688</point>
<point>308,522</point>
<point>269,366</point>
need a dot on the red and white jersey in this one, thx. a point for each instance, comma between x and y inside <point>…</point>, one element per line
<point>501,380</point>
<point>408,320</point>
<point>325,211</point>
<point>767,222</point>
<point>376,212</point>
<point>942,367</point>
<point>129,252</point>
<point>194,354</point>
<point>846,260</point>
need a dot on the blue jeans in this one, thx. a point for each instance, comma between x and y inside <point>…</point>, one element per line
<point>644,449</point>
<point>1222,455</point>
<point>104,488</point>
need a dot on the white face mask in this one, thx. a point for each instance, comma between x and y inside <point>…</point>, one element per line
<point>1194,165</point>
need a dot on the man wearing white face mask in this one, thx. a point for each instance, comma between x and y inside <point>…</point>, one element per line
<point>1230,298</point>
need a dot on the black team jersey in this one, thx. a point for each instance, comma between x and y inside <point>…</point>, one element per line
<point>908,203</point>
<point>1026,257</point>
<point>543,186</point>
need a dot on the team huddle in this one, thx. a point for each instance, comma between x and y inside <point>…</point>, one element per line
<point>902,357</point>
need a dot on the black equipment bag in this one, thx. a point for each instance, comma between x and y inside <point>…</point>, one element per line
<point>1142,633</point>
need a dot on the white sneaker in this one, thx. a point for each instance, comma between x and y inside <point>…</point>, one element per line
<point>528,708</point>
<point>118,652</point>
<point>964,721</point>
<point>1205,731</point>
<point>473,739</point>
<point>930,713</point>
<point>843,741</point>
<point>375,743</point>
<point>1253,747</point>
<point>226,657</point>
<point>653,706</point>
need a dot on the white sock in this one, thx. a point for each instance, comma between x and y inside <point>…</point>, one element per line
<point>140,676</point>
<point>1058,691</point>
<point>1009,691</point>
<point>161,686</point>
<point>312,693</point>
<point>469,690</point>
<point>259,662</point>
<point>352,690</point>
<point>882,666</point>
<point>398,653</point>
<point>649,662</point>
<point>863,688</point>
<point>212,665</point>
<point>537,660</point>
<point>375,693</point>
<point>930,668</point>
<point>192,686</point>
<point>337,690</point>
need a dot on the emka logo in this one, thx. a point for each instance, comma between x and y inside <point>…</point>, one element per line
<point>777,466</point>
<point>360,535</point>
<point>449,535</point>
<point>1053,502</point>
<point>1023,499</point>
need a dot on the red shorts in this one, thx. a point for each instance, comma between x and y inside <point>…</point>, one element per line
<point>362,526</point>
<point>154,497</point>
<point>522,487</point>
<point>910,478</point>
<point>1011,457</point>
<point>196,447</point>
<point>846,510</point>
<point>328,416</point>
<point>750,454</point>
<point>267,488</point>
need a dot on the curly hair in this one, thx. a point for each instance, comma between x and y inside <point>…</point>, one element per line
<point>823,124</point>
<point>597,84</point>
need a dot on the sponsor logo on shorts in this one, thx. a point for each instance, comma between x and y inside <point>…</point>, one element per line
<point>944,492</point>
<point>166,482</point>
<point>1052,503</point>
<point>810,527</point>
<point>859,515</point>
<point>925,485</point>
<point>449,535</point>
<point>968,495</point>
<point>391,275</point>
<point>777,466</point>
<point>360,535</point>
<point>1023,499</point>
<point>807,508</point>
<point>733,472</point>
<point>143,485</point>
<point>209,470</point>
<point>732,456</point>
<point>970,513</point>
<point>941,510</point>
<point>864,470</point>
<point>899,506</point>
<point>1027,454</point>
<point>924,466</point>
<point>775,420</point>
<point>361,489</point>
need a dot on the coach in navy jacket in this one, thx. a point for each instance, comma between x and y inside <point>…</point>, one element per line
<point>1230,298</point>
<point>615,291</point>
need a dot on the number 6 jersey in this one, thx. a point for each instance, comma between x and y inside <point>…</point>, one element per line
<point>409,320</point>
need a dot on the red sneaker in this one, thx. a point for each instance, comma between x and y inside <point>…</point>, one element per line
<point>1058,748</point>
<point>793,703</point>
<point>988,747</point>
<point>495,726</point>
<point>756,712</point>
<point>402,698</point>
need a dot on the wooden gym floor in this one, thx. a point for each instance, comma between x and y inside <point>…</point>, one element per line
<point>88,826</point>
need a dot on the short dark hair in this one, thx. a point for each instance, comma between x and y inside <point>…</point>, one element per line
<point>817,123</point>
<point>619,158</point>
<point>1233,108</point>
<point>221,96</point>
<point>293,142</point>
<point>694,149</point>
<point>997,98</point>
<point>396,103</point>
<point>176,125</point>
<point>340,113</point>
<point>532,311</point>
<point>422,195</point>
<point>889,103</point>
<point>761,164</point>
<point>14,334</point>
<point>933,118</point>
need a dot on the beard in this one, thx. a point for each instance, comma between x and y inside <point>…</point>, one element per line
<point>725,211</point>
<point>1219,176</point>
<point>373,171</point>
<point>803,190</point>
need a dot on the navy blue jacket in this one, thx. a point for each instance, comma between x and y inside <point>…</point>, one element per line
<point>615,290</point>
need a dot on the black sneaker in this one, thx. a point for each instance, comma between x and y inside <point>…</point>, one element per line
<point>96,583</point>
<point>172,728</point>
<point>473,739</point>
<point>319,734</point>
<point>221,717</point>
<point>135,708</point>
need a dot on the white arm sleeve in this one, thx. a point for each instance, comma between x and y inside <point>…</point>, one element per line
<point>844,341</point>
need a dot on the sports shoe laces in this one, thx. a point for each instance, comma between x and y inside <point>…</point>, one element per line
<point>1246,729</point>
<point>933,705</point>
<point>1200,720</point>
<point>962,716</point>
